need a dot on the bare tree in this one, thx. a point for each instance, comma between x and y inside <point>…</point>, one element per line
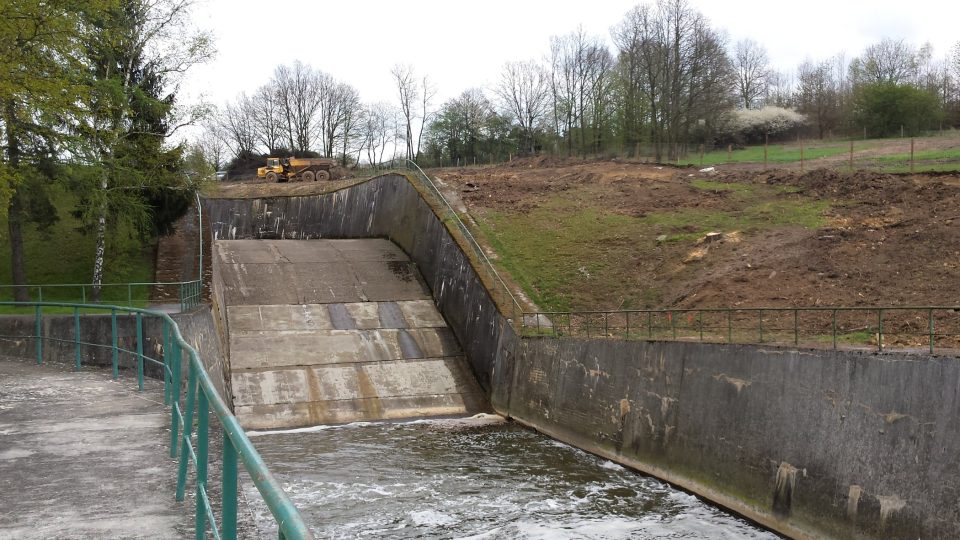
<point>267,118</point>
<point>752,68</point>
<point>379,129</point>
<point>889,61</point>
<point>427,92</point>
<point>406,83</point>
<point>299,92</point>
<point>779,89</point>
<point>686,73</point>
<point>211,144</point>
<point>580,64</point>
<point>524,91</point>
<point>236,126</point>
<point>817,94</point>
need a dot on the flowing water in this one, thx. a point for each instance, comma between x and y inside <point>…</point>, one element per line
<point>472,478</point>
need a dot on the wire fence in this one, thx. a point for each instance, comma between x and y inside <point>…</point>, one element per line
<point>134,294</point>
<point>916,327</point>
<point>937,152</point>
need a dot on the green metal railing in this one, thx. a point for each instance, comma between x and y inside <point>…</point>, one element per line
<point>928,327</point>
<point>495,284</point>
<point>125,294</point>
<point>201,397</point>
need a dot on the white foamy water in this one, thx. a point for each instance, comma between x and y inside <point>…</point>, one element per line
<point>473,478</point>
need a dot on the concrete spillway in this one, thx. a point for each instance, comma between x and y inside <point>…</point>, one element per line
<point>333,331</point>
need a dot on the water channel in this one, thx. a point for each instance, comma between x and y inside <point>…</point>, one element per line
<point>473,478</point>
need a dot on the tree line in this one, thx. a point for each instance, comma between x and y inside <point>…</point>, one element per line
<point>670,82</point>
<point>88,99</point>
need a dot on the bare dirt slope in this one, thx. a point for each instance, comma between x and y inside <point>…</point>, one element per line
<point>787,238</point>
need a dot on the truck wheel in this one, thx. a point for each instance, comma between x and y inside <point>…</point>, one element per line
<point>323,175</point>
<point>271,176</point>
<point>308,176</point>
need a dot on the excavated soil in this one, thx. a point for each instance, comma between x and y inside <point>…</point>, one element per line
<point>886,239</point>
<point>881,240</point>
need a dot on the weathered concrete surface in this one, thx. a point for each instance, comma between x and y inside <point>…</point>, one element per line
<point>331,331</point>
<point>811,443</point>
<point>385,207</point>
<point>82,456</point>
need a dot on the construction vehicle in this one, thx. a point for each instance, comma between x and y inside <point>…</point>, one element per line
<point>296,169</point>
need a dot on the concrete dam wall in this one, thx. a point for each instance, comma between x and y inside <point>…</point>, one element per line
<point>810,443</point>
<point>335,331</point>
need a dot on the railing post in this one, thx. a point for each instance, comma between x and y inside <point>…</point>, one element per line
<point>760,311</point>
<point>38,332</point>
<point>185,437</point>
<point>115,342</point>
<point>729,326</point>
<point>628,326</point>
<point>606,325</point>
<point>167,367</point>
<point>834,329</point>
<point>76,338</point>
<point>181,298</point>
<point>796,328</point>
<point>83,294</point>
<point>673,325</point>
<point>930,319</point>
<point>700,323</point>
<point>129,295</point>
<point>202,434</point>
<point>39,294</point>
<point>879,330</point>
<point>228,525</point>
<point>139,350</point>
<point>176,412</point>
<point>649,325</point>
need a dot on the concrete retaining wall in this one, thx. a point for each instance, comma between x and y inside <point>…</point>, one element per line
<point>810,443</point>
<point>196,326</point>
<point>838,444</point>
<point>385,207</point>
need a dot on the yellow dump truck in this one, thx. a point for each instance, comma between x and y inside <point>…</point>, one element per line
<point>296,169</point>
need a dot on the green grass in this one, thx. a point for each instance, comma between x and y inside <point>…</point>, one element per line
<point>776,153</point>
<point>63,254</point>
<point>570,252</point>
<point>922,155</point>
<point>759,215</point>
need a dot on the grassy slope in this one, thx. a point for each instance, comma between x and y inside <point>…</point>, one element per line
<point>65,255</point>
<point>551,249</point>
<point>947,159</point>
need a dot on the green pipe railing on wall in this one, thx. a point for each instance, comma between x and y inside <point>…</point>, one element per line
<point>496,285</point>
<point>201,398</point>
<point>926,327</point>
<point>189,293</point>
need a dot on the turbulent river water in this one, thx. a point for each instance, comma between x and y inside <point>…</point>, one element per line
<point>472,478</point>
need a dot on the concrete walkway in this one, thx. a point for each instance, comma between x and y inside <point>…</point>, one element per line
<point>82,456</point>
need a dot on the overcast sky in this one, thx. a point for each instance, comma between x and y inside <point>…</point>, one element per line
<point>461,45</point>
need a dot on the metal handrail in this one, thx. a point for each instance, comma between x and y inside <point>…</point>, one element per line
<point>201,396</point>
<point>617,323</point>
<point>486,263</point>
<point>189,291</point>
